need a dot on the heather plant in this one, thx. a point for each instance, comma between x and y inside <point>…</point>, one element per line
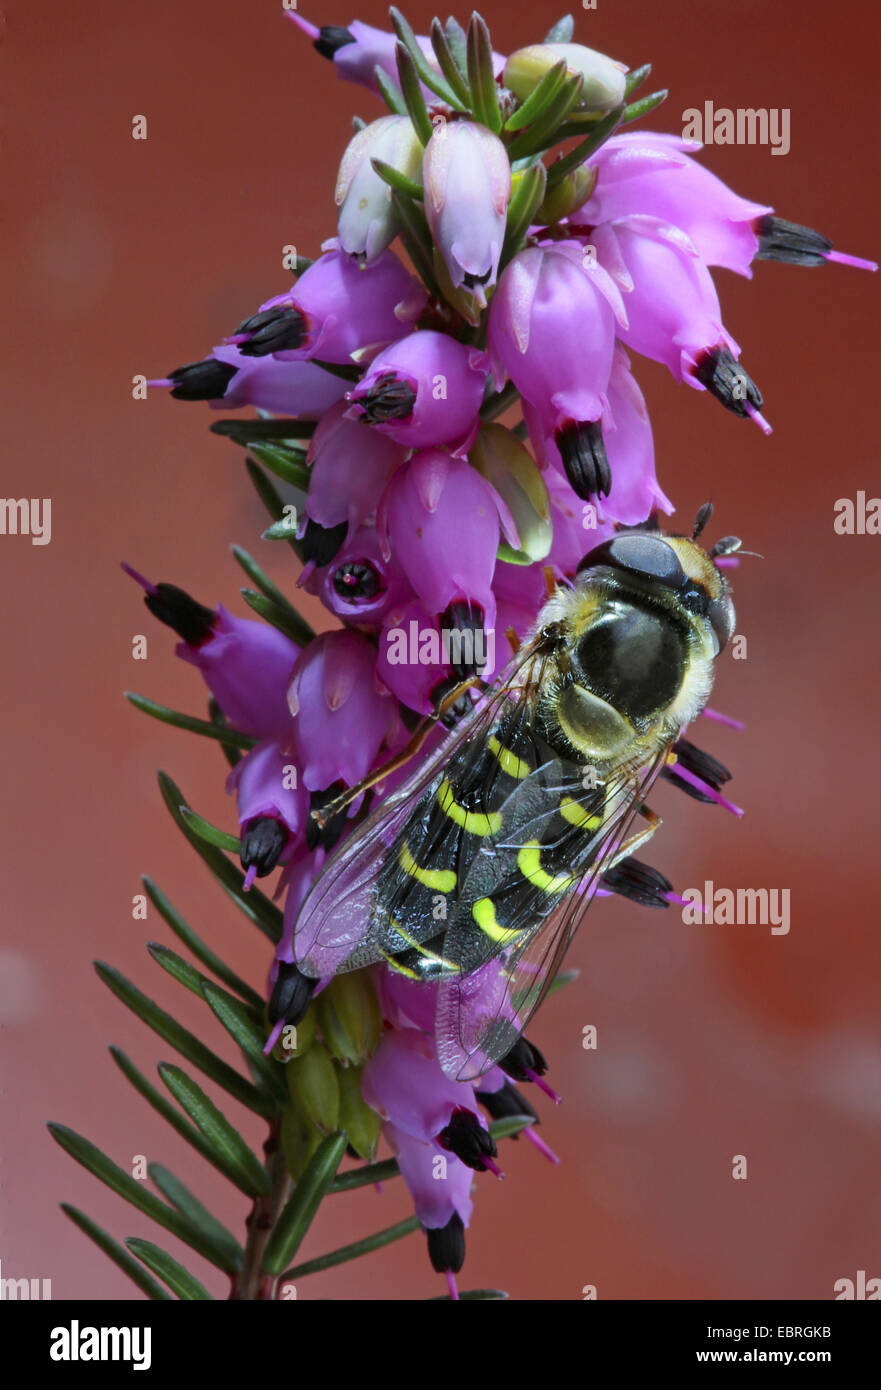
<point>444,419</point>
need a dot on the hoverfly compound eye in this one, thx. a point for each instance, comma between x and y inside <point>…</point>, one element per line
<point>721,619</point>
<point>643,556</point>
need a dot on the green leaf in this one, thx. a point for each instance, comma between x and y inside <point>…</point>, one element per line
<point>178,1279</point>
<point>414,233</point>
<point>170,1112</point>
<point>215,1126</point>
<point>266,586</point>
<point>178,968</point>
<point>353,1251</point>
<point>284,530</point>
<point>116,1253</point>
<point>212,833</point>
<point>499,402</point>
<point>249,432</point>
<point>220,721</point>
<point>510,1125</point>
<point>269,496</point>
<point>472,1295</point>
<point>120,1182</point>
<point>455,75</point>
<point>395,179</point>
<point>371,1173</point>
<point>197,946</point>
<point>456,38</point>
<point>636,109</point>
<point>179,1195</point>
<point>277,617</point>
<point>545,131</point>
<point>296,1218</point>
<point>255,905</point>
<point>425,72</point>
<point>560,981</point>
<point>285,462</point>
<point>522,209</point>
<point>562,31</point>
<point>390,92</point>
<point>635,78</point>
<point>412,93</point>
<point>343,370</point>
<point>183,1041</point>
<point>484,92</point>
<point>539,99</point>
<point>597,137</point>
<point>222,734</point>
<point>247,1031</point>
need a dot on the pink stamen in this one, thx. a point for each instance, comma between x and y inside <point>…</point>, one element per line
<point>451,1285</point>
<point>493,1168</point>
<point>249,878</point>
<point>856,261</point>
<point>679,771</point>
<point>303,24</point>
<point>540,1144</point>
<point>163,382</point>
<point>379,1188</point>
<point>273,1037</point>
<point>543,1086</point>
<point>236,339</point>
<point>139,579</point>
<point>726,562</point>
<point>758,417</point>
<point>676,898</point>
<point>722,718</point>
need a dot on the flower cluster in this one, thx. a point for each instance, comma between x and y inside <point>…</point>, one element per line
<point>429,528</point>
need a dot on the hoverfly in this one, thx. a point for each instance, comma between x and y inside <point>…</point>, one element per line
<point>477,871</point>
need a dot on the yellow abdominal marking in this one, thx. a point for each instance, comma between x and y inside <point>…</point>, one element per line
<point>529,864</point>
<point>484,914</point>
<point>440,880</point>
<point>575,814</point>
<point>397,966</point>
<point>508,761</point>
<point>475,822</point>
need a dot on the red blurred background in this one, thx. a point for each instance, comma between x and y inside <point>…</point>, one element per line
<point>129,256</point>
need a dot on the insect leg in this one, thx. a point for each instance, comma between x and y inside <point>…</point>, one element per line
<point>629,846</point>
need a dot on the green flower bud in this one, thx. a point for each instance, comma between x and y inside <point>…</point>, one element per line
<point>498,456</point>
<point>361,1124</point>
<point>566,197</point>
<point>349,1017</point>
<point>298,1143</point>
<point>314,1090</point>
<point>603,85</point>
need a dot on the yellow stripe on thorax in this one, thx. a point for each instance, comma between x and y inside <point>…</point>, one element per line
<point>508,761</point>
<point>440,880</point>
<point>475,822</point>
<point>575,814</point>
<point>529,864</point>
<point>484,914</point>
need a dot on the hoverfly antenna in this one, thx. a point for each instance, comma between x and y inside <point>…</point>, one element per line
<point>726,546</point>
<point>704,514</point>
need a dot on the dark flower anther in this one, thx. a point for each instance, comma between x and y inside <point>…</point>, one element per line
<point>272,330</point>
<point>469,1141</point>
<point>465,637</point>
<point>458,709</point>
<point>506,1103</point>
<point>780,240</point>
<point>325,833</point>
<point>701,764</point>
<point>584,458</point>
<point>202,381</point>
<point>321,543</point>
<point>524,1062</point>
<point>263,840</point>
<point>192,621</point>
<point>639,882</point>
<point>446,1246</point>
<point>389,398</point>
<point>725,379</point>
<point>331,38</point>
<point>290,995</point>
<point>356,580</point>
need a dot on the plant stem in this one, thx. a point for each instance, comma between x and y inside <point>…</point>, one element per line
<point>250,1282</point>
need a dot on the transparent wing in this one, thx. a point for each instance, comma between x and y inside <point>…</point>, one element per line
<point>482,1012</point>
<point>341,916</point>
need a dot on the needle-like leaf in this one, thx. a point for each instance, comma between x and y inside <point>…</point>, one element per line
<point>117,1253</point>
<point>178,1279</point>
<point>215,1126</point>
<point>296,1218</point>
<point>220,733</point>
